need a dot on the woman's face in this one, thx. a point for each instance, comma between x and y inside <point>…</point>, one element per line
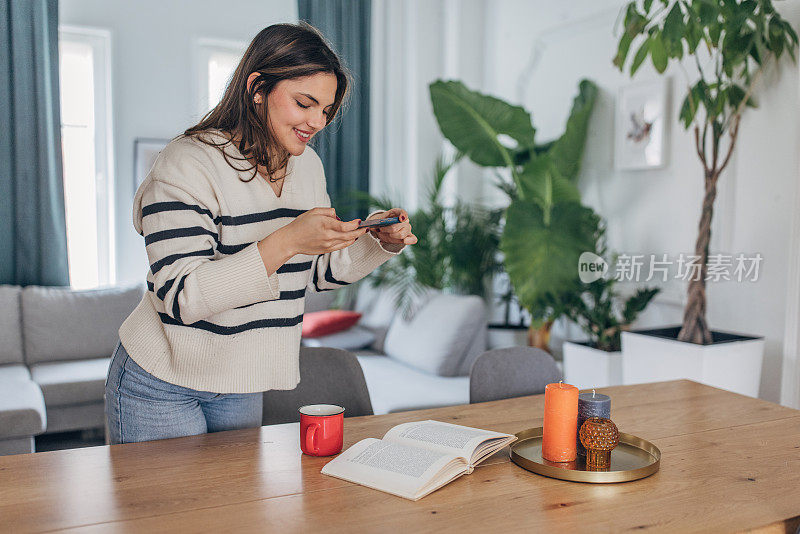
<point>298,109</point>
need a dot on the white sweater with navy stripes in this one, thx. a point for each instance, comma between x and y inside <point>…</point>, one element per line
<point>213,319</point>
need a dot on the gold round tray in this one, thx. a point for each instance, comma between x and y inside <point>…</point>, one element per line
<point>633,458</point>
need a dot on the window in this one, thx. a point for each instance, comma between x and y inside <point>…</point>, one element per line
<point>216,61</point>
<point>84,73</point>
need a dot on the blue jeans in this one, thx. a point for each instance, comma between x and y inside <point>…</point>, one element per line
<point>141,407</point>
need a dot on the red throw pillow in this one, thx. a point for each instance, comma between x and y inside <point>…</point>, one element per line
<point>326,322</point>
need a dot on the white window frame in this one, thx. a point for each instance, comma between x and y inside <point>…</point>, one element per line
<point>202,51</point>
<point>100,42</point>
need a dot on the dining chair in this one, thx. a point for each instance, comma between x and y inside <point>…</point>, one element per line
<point>511,372</point>
<point>327,376</point>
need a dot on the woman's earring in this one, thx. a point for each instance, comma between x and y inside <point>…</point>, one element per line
<point>257,99</point>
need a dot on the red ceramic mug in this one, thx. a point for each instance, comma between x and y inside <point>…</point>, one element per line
<point>321,429</point>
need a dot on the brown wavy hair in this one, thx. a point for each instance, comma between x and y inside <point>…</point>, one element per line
<point>278,52</point>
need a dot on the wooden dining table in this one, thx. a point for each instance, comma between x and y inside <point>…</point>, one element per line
<point>729,463</point>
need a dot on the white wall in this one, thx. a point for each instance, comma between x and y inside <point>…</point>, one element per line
<point>415,42</point>
<point>153,84</point>
<point>657,211</point>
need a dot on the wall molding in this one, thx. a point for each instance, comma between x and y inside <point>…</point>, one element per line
<point>790,376</point>
<point>562,30</point>
<point>790,372</point>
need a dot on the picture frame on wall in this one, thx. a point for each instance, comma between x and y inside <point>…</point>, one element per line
<point>145,152</point>
<point>640,131</point>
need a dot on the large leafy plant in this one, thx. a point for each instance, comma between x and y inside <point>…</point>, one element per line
<point>546,227</point>
<point>729,43</point>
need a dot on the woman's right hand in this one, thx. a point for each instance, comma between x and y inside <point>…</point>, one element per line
<point>318,231</point>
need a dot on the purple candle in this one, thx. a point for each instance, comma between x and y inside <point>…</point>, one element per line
<point>591,405</point>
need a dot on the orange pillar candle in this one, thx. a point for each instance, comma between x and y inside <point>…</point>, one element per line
<point>560,422</point>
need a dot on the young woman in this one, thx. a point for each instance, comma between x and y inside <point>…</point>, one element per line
<point>237,225</point>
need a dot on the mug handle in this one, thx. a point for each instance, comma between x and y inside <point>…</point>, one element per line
<point>311,433</point>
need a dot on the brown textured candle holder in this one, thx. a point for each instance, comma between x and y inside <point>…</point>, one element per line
<point>599,436</point>
<point>598,460</point>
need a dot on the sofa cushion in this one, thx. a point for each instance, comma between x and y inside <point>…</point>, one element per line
<point>64,324</point>
<point>10,325</point>
<point>14,372</point>
<point>353,338</point>
<point>327,322</point>
<point>378,306</point>
<point>439,335</point>
<point>75,382</point>
<point>75,417</point>
<point>367,352</point>
<point>22,411</point>
<point>395,387</point>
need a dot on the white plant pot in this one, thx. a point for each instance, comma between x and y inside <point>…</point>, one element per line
<point>587,368</point>
<point>732,362</point>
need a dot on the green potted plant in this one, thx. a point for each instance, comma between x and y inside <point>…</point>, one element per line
<point>603,314</point>
<point>728,44</point>
<point>459,252</point>
<point>546,228</point>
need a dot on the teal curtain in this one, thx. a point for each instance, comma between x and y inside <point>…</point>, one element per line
<point>32,221</point>
<point>344,145</point>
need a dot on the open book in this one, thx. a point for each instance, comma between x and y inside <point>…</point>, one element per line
<point>414,459</point>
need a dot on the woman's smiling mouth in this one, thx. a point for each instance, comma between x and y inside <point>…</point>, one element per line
<point>303,136</point>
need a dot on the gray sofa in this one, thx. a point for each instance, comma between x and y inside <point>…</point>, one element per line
<point>422,361</point>
<point>56,345</point>
<point>55,348</point>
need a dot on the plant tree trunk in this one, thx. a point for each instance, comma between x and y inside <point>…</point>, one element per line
<point>695,328</point>
<point>539,338</point>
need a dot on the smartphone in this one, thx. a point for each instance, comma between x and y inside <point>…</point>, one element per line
<point>379,222</point>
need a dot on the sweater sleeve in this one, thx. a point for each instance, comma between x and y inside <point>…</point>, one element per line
<point>181,239</point>
<point>341,267</point>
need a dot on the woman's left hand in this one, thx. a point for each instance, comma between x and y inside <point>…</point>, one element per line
<point>396,233</point>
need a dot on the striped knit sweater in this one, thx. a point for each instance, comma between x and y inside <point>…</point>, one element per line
<point>213,319</point>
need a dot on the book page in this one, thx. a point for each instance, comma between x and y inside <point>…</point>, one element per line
<point>391,467</point>
<point>443,437</point>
